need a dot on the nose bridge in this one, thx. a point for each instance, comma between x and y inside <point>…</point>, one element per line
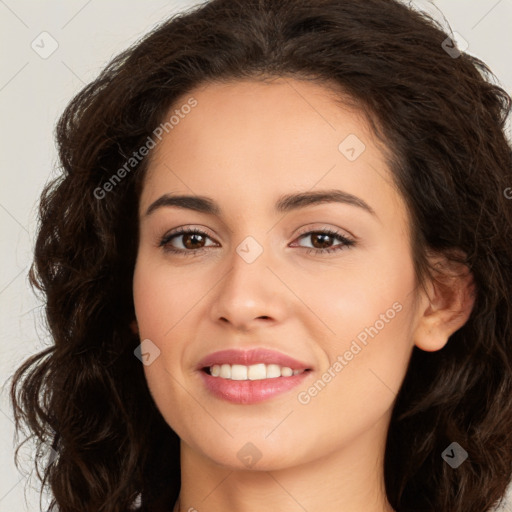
<point>248,289</point>
<point>250,249</point>
<point>248,276</point>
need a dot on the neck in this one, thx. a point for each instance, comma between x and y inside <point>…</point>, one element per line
<point>350,478</point>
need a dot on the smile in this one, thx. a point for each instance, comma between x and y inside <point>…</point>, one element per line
<point>251,376</point>
<point>254,372</point>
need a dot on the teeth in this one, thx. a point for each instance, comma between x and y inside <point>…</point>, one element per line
<point>273,371</point>
<point>254,372</point>
<point>286,372</point>
<point>225,371</point>
<point>238,372</point>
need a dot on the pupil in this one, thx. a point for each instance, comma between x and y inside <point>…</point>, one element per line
<point>320,236</point>
<point>188,237</point>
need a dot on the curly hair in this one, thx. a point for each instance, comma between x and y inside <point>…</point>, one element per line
<point>443,121</point>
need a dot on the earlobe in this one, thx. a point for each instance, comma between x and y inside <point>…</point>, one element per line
<point>448,306</point>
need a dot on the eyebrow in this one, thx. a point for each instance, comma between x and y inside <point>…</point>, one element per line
<point>286,203</point>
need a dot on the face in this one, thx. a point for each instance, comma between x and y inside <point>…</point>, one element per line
<point>279,327</point>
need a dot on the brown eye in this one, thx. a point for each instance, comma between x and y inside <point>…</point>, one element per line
<point>192,240</point>
<point>322,241</point>
<point>185,241</point>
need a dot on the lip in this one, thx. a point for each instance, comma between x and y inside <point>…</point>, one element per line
<point>252,356</point>
<point>251,391</point>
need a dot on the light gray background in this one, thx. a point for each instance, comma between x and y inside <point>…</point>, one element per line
<point>33,93</point>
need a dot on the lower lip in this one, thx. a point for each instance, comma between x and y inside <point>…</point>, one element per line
<point>251,391</point>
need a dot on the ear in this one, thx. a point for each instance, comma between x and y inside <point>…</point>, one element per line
<point>447,304</point>
<point>134,326</point>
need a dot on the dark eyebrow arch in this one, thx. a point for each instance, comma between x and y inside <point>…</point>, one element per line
<point>197,203</point>
<point>291,202</point>
<point>285,203</point>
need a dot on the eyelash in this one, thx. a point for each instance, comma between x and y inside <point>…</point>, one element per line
<point>346,242</point>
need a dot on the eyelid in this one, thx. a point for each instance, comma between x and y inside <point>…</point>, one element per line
<point>346,240</point>
<point>182,230</point>
<point>315,229</point>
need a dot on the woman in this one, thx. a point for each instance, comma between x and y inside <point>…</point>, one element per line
<point>277,270</point>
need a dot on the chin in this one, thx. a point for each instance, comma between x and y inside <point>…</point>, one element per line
<point>255,453</point>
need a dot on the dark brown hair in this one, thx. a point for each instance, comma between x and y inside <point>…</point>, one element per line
<point>442,118</point>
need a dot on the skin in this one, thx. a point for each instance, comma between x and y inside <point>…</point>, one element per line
<point>260,141</point>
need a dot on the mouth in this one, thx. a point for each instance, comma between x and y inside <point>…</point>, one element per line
<point>260,371</point>
<point>251,376</point>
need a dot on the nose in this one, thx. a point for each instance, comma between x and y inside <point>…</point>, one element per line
<point>249,295</point>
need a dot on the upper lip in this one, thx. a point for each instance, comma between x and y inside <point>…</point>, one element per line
<point>250,357</point>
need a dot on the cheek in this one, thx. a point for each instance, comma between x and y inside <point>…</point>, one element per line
<point>369,310</point>
<point>367,362</point>
<point>158,308</point>
<point>165,301</point>
<point>360,296</point>
<point>161,297</point>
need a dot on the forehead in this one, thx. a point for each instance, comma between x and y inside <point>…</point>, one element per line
<point>283,116</point>
<point>267,139</point>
